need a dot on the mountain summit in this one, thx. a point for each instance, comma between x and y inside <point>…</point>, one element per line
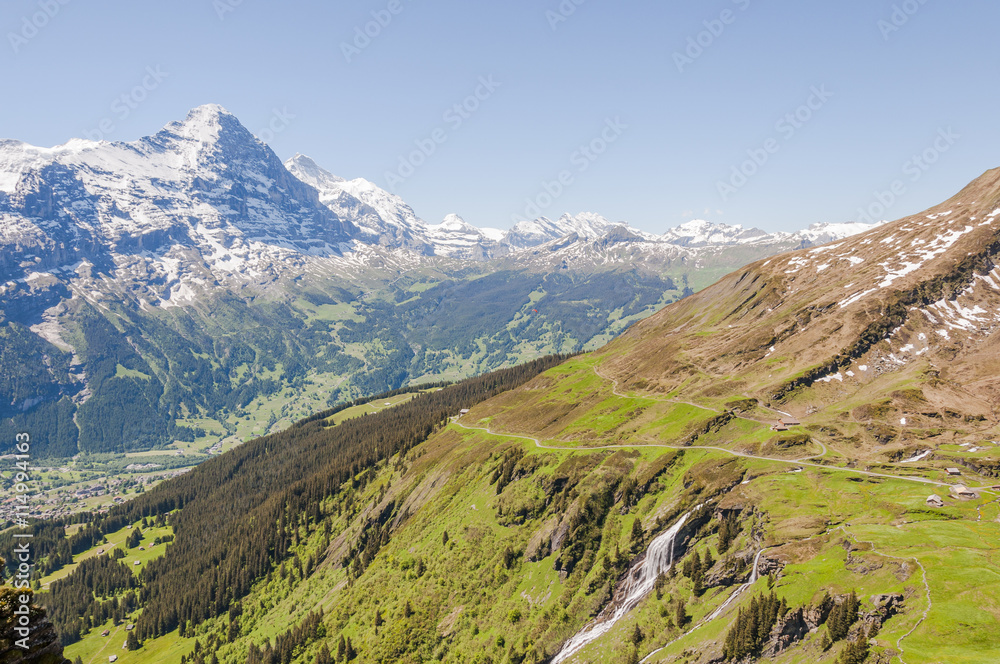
<point>205,183</point>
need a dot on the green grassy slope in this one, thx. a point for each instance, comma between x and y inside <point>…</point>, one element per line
<point>496,591</point>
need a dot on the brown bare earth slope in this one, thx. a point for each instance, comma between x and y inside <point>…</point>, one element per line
<point>919,296</point>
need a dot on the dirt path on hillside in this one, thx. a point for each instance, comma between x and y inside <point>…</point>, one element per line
<point>802,461</point>
<point>110,637</point>
<point>927,588</point>
<point>793,462</point>
<point>617,393</point>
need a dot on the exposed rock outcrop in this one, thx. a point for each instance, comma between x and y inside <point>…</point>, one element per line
<point>42,641</point>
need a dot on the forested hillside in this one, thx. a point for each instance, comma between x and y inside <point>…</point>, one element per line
<point>218,511</point>
<point>143,379</point>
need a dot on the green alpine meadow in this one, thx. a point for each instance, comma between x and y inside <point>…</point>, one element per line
<point>522,332</point>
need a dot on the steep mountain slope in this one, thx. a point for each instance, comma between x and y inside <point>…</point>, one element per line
<point>916,296</point>
<point>640,502</point>
<point>205,182</point>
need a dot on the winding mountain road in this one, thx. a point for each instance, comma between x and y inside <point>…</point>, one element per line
<point>803,461</point>
<point>794,462</point>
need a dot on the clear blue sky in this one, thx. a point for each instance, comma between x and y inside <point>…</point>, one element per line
<point>560,83</point>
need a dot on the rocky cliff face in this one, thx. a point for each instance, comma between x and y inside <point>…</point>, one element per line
<point>43,642</point>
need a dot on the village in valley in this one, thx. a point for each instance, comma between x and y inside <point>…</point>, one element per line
<point>59,491</point>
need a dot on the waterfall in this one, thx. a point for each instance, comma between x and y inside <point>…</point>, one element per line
<point>638,584</point>
<point>715,614</point>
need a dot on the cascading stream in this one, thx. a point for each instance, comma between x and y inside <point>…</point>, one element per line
<point>638,584</point>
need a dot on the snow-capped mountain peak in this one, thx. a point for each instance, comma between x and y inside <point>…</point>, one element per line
<point>699,233</point>
<point>585,225</point>
<point>454,224</point>
<point>307,170</point>
<point>203,123</point>
<point>200,201</point>
<point>383,217</point>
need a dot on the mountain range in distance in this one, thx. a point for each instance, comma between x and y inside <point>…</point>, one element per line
<point>189,287</point>
<point>145,191</point>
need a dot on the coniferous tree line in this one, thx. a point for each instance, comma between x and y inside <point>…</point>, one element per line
<point>729,529</point>
<point>287,645</point>
<point>842,617</point>
<point>238,515</point>
<point>855,652</point>
<point>245,349</point>
<point>99,589</point>
<point>695,567</point>
<point>752,629</point>
<point>51,546</point>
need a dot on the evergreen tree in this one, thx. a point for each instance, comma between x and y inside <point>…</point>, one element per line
<point>697,574</point>
<point>728,530</point>
<point>132,643</point>
<point>638,535</point>
<point>659,585</point>
<point>637,636</point>
<point>843,616</point>
<point>752,629</point>
<point>323,656</point>
<point>855,652</point>
<point>680,613</point>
